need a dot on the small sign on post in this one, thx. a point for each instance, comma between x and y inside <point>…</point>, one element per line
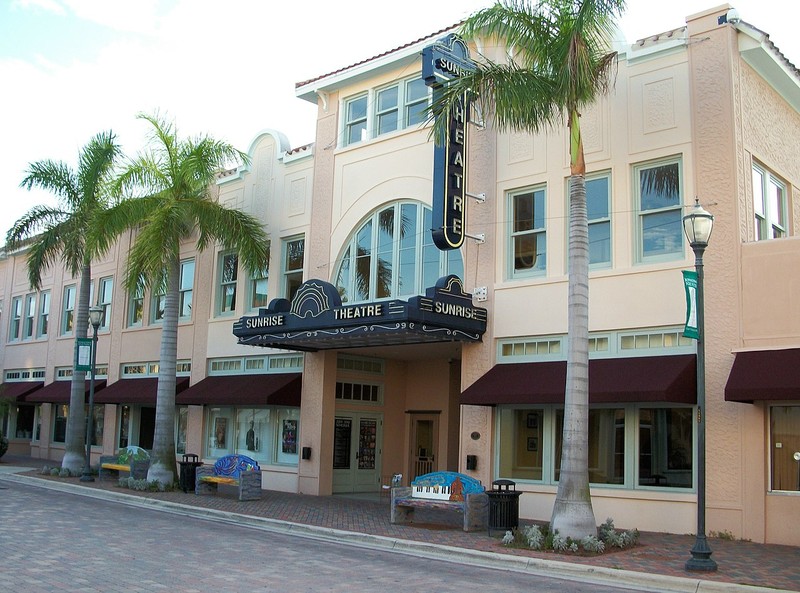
<point>690,284</point>
<point>83,359</point>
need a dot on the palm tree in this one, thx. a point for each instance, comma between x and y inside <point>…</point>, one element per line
<point>172,202</point>
<point>53,233</point>
<point>560,63</point>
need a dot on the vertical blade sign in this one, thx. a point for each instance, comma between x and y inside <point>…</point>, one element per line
<point>443,61</point>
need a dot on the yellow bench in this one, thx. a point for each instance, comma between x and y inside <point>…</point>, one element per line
<point>133,460</point>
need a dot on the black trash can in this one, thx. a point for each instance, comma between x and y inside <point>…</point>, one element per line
<point>188,472</point>
<point>503,506</point>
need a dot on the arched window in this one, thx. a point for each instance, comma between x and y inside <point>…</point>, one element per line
<point>392,255</point>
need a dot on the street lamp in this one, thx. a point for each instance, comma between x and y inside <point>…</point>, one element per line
<point>95,317</point>
<point>698,225</point>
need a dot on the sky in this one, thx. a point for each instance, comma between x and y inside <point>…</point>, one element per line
<point>73,68</point>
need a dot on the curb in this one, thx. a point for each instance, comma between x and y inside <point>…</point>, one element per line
<point>655,583</point>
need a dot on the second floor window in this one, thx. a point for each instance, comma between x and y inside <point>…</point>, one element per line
<point>228,274</point>
<point>258,289</point>
<point>68,306</point>
<point>528,237</point>
<point>660,229</point>
<point>293,257</point>
<point>30,317</point>
<point>104,300</point>
<point>186,289</point>
<point>769,204</point>
<point>392,255</point>
<point>598,206</point>
<point>15,327</point>
<point>136,307</point>
<point>387,109</point>
<point>44,314</point>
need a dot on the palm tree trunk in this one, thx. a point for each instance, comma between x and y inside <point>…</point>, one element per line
<point>75,440</point>
<point>163,467</point>
<point>572,512</point>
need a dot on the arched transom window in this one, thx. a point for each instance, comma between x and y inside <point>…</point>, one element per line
<point>392,255</point>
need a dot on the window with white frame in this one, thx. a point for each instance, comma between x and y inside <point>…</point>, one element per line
<point>157,306</point>
<point>293,261</point>
<point>392,255</point>
<point>136,307</point>
<point>259,296</point>
<point>104,300</point>
<point>186,289</point>
<point>598,210</point>
<point>355,120</point>
<point>15,321</point>
<point>387,109</point>
<point>29,323</point>
<point>44,314</point>
<point>528,235</point>
<point>659,210</point>
<point>68,310</point>
<point>228,276</point>
<point>769,204</point>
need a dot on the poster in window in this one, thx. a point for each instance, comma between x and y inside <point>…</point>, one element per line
<point>342,431</point>
<point>533,443</point>
<point>289,437</point>
<point>220,431</point>
<point>533,421</point>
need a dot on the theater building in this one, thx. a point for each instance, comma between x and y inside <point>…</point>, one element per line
<point>365,350</point>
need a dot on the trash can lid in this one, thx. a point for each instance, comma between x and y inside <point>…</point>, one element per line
<point>500,484</point>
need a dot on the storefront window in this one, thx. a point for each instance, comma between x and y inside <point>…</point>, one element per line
<point>665,447</point>
<point>606,445</point>
<point>530,439</point>
<point>267,435</point>
<point>785,448</point>
<point>521,444</point>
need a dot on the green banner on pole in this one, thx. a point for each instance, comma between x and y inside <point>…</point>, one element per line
<point>83,360</point>
<point>690,285</point>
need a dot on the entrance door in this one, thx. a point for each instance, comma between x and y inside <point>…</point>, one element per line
<point>424,444</point>
<point>357,442</point>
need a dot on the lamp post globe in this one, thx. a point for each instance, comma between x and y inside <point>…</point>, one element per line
<point>697,225</point>
<point>95,318</point>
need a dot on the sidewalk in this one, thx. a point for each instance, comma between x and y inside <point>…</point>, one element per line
<point>658,560</point>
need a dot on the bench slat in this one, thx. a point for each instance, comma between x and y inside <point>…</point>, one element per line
<point>219,480</point>
<point>116,466</point>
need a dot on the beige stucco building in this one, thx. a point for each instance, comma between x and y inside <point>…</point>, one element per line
<point>714,105</point>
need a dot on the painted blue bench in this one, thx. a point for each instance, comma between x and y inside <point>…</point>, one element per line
<point>134,460</point>
<point>445,491</point>
<point>238,471</point>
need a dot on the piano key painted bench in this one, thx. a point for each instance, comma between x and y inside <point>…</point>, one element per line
<point>444,491</point>
<point>134,460</point>
<point>232,470</point>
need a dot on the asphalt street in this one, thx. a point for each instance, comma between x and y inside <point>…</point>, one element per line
<point>55,541</point>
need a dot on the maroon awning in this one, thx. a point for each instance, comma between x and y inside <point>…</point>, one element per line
<point>136,391</point>
<point>58,392</point>
<point>667,379</point>
<point>764,375</point>
<point>281,389</point>
<point>18,390</point>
